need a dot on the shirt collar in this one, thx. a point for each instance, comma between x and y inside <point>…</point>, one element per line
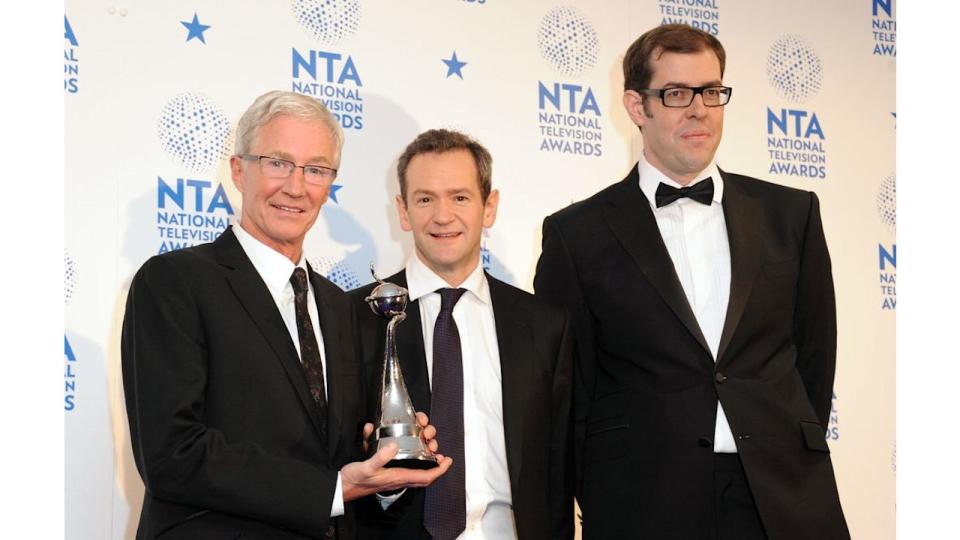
<point>274,268</point>
<point>422,281</point>
<point>651,177</point>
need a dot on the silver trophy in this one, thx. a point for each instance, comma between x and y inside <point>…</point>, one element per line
<point>397,421</point>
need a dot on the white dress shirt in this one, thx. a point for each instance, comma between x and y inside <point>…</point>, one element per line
<point>696,238</point>
<point>275,269</point>
<point>489,500</point>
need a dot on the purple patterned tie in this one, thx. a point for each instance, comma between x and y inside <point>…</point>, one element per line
<point>309,349</point>
<point>445,506</point>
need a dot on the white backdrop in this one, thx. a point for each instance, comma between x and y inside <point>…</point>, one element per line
<point>153,90</point>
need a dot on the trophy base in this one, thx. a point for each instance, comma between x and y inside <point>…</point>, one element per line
<point>412,454</point>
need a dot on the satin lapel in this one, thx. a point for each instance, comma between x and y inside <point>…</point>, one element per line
<point>332,328</point>
<point>632,221</point>
<point>517,363</point>
<point>742,214</point>
<point>410,349</point>
<point>259,305</point>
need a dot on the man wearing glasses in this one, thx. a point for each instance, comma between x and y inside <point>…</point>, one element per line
<point>706,325</point>
<point>243,386</point>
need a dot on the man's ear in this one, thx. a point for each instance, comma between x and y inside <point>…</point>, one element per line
<point>402,212</point>
<point>490,208</point>
<point>236,172</point>
<point>633,103</point>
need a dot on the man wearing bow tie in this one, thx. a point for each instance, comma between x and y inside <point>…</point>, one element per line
<point>706,326</point>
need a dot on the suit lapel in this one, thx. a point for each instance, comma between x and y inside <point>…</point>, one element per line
<point>410,349</point>
<point>331,328</point>
<point>260,307</point>
<point>517,355</point>
<point>632,221</point>
<point>742,213</point>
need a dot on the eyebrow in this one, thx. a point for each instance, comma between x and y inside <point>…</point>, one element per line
<point>316,160</point>
<point>673,84</point>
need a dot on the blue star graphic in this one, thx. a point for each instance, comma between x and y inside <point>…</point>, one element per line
<point>333,192</point>
<point>454,65</point>
<point>195,29</point>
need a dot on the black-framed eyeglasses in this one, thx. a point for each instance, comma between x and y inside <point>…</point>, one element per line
<point>682,96</point>
<point>281,169</point>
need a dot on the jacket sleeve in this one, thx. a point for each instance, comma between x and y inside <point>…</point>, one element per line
<point>561,455</point>
<point>557,281</point>
<point>815,320</point>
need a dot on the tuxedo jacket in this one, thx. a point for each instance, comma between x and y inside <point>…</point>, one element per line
<point>535,345</point>
<point>224,432</point>
<point>646,385</point>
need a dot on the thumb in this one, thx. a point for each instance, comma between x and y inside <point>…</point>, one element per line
<point>384,455</point>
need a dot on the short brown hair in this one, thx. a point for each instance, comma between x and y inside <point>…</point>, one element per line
<point>674,38</point>
<point>444,140</point>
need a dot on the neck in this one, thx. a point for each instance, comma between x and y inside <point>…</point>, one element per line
<point>292,251</point>
<point>453,275</point>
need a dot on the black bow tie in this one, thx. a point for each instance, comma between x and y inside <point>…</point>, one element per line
<point>702,192</point>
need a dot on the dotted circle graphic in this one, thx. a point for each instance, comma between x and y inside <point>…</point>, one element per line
<point>69,277</point>
<point>887,201</point>
<point>193,132</point>
<point>794,69</point>
<point>568,41</point>
<point>327,21</point>
<point>342,275</point>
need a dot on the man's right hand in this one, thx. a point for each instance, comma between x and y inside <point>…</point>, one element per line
<point>361,478</point>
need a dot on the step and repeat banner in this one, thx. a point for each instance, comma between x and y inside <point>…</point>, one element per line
<point>153,91</point>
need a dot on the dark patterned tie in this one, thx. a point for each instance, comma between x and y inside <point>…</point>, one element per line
<point>309,349</point>
<point>445,507</point>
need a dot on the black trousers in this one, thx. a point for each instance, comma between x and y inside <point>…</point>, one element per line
<point>735,511</point>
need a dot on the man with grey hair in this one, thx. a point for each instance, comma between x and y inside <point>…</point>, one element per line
<point>242,382</point>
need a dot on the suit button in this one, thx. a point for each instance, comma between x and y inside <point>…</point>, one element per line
<point>331,532</point>
<point>720,377</point>
<point>705,442</point>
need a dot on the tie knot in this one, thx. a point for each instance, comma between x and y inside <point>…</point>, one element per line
<point>449,298</point>
<point>299,280</point>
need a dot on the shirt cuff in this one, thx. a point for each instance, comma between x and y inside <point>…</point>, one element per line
<point>336,509</point>
<point>387,500</point>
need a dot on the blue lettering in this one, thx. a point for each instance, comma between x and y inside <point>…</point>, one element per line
<point>68,403</point>
<point>779,121</point>
<point>887,257</point>
<point>589,103</point>
<point>813,126</point>
<point>68,33</point>
<point>299,61</point>
<point>163,189</point>
<point>309,65</point>
<point>199,186</point>
<point>67,350</point>
<point>220,201</point>
<point>553,98</point>
<point>885,5</point>
<point>349,73</point>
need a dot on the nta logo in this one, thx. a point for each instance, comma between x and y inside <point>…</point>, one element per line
<point>887,201</point>
<point>568,41</point>
<point>328,21</point>
<point>193,132</point>
<point>794,69</point>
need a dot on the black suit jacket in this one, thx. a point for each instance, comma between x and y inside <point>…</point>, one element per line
<point>224,432</point>
<point>536,347</point>
<point>646,388</point>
